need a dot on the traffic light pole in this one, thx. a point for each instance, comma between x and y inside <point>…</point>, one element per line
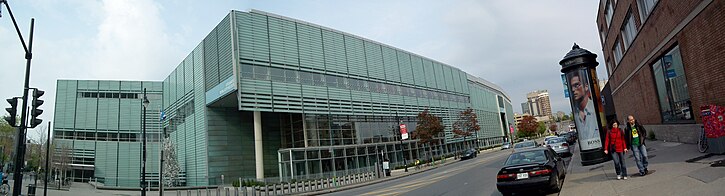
<point>20,148</point>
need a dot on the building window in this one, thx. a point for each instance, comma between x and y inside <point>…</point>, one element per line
<point>602,35</point>
<point>608,9</point>
<point>645,8</point>
<point>610,68</point>
<point>617,51</point>
<point>629,31</point>
<point>672,91</point>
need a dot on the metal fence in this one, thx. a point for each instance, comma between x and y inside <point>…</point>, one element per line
<point>285,188</point>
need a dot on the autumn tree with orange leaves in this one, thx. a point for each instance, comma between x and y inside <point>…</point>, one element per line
<point>429,127</point>
<point>466,125</point>
<point>527,127</point>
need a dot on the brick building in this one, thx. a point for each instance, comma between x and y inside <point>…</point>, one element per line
<point>664,59</point>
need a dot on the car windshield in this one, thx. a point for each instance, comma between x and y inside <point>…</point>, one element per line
<point>556,140</point>
<point>524,144</point>
<point>527,157</point>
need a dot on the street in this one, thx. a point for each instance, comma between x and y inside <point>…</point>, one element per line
<point>470,177</point>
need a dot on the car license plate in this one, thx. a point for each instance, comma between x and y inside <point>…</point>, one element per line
<point>522,176</point>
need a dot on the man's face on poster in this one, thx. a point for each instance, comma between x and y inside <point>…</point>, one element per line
<point>577,88</point>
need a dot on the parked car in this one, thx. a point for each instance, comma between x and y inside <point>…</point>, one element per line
<point>535,169</point>
<point>550,137</point>
<point>571,137</point>
<point>560,146</point>
<point>505,145</point>
<point>469,154</point>
<point>525,144</point>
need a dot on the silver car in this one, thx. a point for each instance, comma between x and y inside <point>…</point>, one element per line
<point>505,145</point>
<point>559,145</point>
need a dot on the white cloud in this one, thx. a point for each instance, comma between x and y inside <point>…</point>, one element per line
<point>132,42</point>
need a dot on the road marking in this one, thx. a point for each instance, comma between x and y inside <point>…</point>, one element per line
<point>433,178</point>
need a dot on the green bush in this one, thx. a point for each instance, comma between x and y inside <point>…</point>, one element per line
<point>248,183</point>
<point>651,135</point>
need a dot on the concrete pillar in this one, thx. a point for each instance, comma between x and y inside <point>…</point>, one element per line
<point>259,159</point>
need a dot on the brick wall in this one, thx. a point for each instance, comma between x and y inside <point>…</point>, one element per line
<point>702,46</point>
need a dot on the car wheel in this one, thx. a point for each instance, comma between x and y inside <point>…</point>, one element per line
<point>557,184</point>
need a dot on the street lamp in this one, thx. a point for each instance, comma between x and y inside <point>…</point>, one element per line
<point>143,163</point>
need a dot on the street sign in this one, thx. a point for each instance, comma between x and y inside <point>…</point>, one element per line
<point>403,132</point>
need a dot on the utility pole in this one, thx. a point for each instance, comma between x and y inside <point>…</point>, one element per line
<point>20,148</point>
<point>47,160</point>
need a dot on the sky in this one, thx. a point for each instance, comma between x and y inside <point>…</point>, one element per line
<point>515,44</point>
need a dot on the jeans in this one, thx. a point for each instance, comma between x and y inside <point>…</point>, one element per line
<point>619,167</point>
<point>640,157</point>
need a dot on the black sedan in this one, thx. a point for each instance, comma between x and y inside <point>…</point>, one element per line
<point>469,154</point>
<point>535,169</point>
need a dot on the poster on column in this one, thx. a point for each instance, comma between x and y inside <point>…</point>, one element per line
<point>583,106</point>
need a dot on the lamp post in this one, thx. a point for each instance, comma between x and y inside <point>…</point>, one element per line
<point>143,162</point>
<point>402,148</point>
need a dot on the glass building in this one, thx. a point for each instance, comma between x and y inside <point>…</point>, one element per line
<point>97,130</point>
<point>269,97</point>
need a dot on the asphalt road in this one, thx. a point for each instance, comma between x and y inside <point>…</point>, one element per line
<point>470,177</point>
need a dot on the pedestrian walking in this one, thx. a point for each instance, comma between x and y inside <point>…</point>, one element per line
<point>616,144</point>
<point>636,135</point>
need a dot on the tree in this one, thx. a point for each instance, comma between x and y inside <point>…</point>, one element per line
<point>428,128</point>
<point>565,118</point>
<point>467,124</point>
<point>171,166</point>
<point>541,129</point>
<point>7,141</point>
<point>527,127</point>
<point>61,162</point>
<point>553,128</point>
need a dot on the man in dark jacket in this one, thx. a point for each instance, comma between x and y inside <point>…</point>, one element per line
<point>635,136</point>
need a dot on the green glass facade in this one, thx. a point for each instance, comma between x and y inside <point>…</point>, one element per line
<point>329,102</point>
<point>99,124</point>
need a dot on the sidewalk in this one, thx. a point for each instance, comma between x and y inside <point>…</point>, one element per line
<point>670,174</point>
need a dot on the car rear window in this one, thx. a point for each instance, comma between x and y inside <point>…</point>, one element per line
<point>556,140</point>
<point>524,145</point>
<point>520,158</point>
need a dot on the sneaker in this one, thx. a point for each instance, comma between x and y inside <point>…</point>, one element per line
<point>642,173</point>
<point>619,177</point>
<point>646,171</point>
<point>625,177</point>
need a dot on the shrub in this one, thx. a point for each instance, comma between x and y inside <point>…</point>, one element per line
<point>651,135</point>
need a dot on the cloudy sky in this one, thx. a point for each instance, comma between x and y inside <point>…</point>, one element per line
<point>514,43</point>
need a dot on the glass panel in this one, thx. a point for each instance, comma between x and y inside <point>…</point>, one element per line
<point>672,87</point>
<point>298,155</point>
<point>306,78</point>
<point>313,154</point>
<point>261,73</point>
<point>277,74</point>
<point>291,76</point>
<point>246,70</point>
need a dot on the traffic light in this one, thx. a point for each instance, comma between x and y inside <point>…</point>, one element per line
<point>13,110</point>
<point>35,112</point>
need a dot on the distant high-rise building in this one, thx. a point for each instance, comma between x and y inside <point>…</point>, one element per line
<point>525,108</point>
<point>538,103</point>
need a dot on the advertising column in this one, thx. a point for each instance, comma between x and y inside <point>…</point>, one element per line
<point>579,68</point>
